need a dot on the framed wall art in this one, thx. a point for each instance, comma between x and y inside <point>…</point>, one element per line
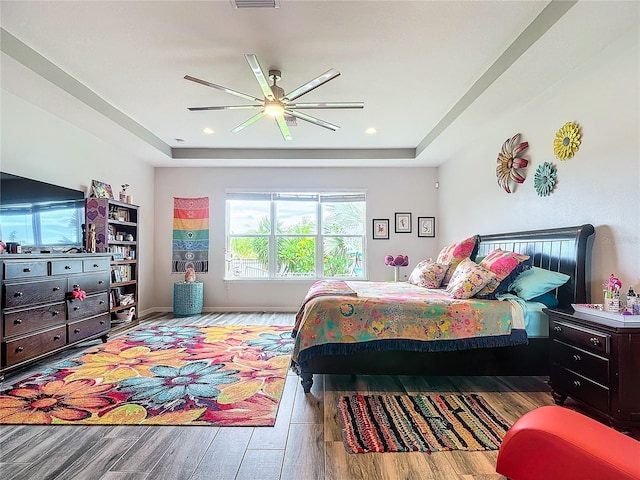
<point>403,223</point>
<point>381,229</point>
<point>426,226</point>
<point>101,190</point>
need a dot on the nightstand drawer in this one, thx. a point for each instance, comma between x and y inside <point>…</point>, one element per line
<point>64,267</point>
<point>25,269</point>
<point>580,361</point>
<point>95,265</point>
<point>90,306</point>
<point>25,321</point>
<point>32,293</point>
<point>582,337</point>
<point>87,328</point>
<point>34,345</point>
<point>90,283</point>
<point>580,388</point>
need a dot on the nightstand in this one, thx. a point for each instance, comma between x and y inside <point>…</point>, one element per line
<point>596,362</point>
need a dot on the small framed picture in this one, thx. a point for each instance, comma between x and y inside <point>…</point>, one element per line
<point>117,256</point>
<point>426,226</point>
<point>403,223</point>
<point>381,229</point>
<point>101,190</point>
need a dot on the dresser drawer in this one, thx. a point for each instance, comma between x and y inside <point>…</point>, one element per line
<point>86,328</point>
<point>64,267</point>
<point>580,388</point>
<point>95,265</point>
<point>90,306</point>
<point>31,346</point>
<point>32,293</point>
<point>580,361</point>
<point>581,337</point>
<point>25,321</point>
<point>25,269</point>
<point>90,283</point>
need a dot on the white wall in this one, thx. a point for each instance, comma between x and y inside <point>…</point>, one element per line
<point>38,145</point>
<point>600,185</point>
<point>388,191</point>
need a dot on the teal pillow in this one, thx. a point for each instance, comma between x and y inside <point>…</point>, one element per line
<point>537,281</point>
<point>548,299</point>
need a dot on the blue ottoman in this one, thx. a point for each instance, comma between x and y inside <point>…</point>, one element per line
<point>187,298</point>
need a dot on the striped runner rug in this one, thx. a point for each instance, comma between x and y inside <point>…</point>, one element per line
<point>419,423</point>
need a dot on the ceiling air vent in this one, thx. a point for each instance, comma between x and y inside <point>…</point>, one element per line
<point>255,3</point>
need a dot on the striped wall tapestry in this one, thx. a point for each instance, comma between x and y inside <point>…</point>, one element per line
<point>190,234</point>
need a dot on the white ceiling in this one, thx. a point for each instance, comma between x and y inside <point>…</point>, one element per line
<point>425,70</point>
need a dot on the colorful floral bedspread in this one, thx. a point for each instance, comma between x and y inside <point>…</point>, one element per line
<point>398,310</point>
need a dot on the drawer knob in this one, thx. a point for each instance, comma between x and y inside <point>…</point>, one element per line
<point>75,285</point>
<point>19,349</point>
<point>76,308</point>
<point>557,328</point>
<point>595,341</point>
<point>101,302</point>
<point>57,337</point>
<point>17,321</point>
<point>26,270</point>
<point>77,330</point>
<point>54,313</point>
<point>577,384</point>
<point>101,282</point>
<point>67,267</point>
<point>55,289</point>
<point>17,294</point>
<point>101,322</point>
<point>95,265</point>
<point>576,357</point>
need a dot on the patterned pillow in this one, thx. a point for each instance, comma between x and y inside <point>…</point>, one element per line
<point>506,266</point>
<point>468,279</point>
<point>453,254</point>
<point>428,274</point>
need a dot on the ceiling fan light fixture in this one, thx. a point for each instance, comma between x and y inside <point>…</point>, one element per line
<point>273,109</point>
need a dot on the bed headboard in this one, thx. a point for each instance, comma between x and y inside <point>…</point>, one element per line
<point>566,250</point>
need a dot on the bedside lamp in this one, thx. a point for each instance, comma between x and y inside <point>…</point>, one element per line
<point>397,262</point>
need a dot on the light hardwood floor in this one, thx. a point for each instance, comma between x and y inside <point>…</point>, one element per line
<point>304,444</point>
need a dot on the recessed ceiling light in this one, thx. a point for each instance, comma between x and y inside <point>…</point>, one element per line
<point>370,131</point>
<point>207,131</point>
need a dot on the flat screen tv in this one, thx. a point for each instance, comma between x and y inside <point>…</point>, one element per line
<point>39,215</point>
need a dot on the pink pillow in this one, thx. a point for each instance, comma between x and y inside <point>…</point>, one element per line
<point>502,263</point>
<point>428,274</point>
<point>468,279</point>
<point>453,254</point>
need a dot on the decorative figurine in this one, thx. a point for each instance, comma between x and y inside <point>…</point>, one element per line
<point>91,241</point>
<point>190,275</point>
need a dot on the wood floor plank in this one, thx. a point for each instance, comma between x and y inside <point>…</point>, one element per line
<point>276,437</point>
<point>309,407</point>
<point>261,464</point>
<point>98,459</point>
<point>13,471</point>
<point>125,476</point>
<point>181,460</point>
<point>304,457</point>
<point>147,451</point>
<point>224,456</point>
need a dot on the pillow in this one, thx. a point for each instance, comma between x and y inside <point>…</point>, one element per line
<point>468,279</point>
<point>548,299</point>
<point>506,266</point>
<point>537,281</point>
<point>453,254</point>
<point>428,274</point>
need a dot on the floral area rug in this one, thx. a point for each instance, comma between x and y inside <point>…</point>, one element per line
<point>162,375</point>
<point>421,423</point>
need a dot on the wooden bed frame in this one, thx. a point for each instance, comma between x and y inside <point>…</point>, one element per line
<point>566,250</point>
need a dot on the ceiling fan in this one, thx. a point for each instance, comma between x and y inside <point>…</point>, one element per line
<point>276,103</point>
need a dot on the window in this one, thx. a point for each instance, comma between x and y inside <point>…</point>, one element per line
<point>295,235</point>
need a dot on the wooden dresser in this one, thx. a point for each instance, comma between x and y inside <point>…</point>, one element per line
<point>596,362</point>
<point>39,317</point>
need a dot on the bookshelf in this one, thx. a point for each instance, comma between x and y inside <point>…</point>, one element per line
<point>112,227</point>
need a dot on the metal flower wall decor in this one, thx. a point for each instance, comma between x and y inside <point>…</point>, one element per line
<point>544,180</point>
<point>567,141</point>
<point>509,163</point>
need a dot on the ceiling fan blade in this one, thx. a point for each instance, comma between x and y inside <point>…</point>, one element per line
<point>322,105</point>
<point>253,119</point>
<point>225,107</point>
<point>284,128</point>
<point>312,84</point>
<point>257,71</point>
<point>224,89</point>
<point>314,120</point>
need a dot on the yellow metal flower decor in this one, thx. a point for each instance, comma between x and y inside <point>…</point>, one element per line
<point>509,162</point>
<point>544,180</point>
<point>567,141</point>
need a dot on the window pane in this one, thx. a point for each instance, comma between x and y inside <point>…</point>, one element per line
<point>249,216</point>
<point>343,218</point>
<point>248,257</point>
<point>342,256</point>
<point>296,257</point>
<point>297,217</point>
<point>17,227</point>
<point>59,226</point>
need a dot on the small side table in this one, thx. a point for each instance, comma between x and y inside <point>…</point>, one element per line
<point>187,298</point>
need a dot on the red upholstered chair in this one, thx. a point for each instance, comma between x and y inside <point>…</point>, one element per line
<point>555,443</point>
